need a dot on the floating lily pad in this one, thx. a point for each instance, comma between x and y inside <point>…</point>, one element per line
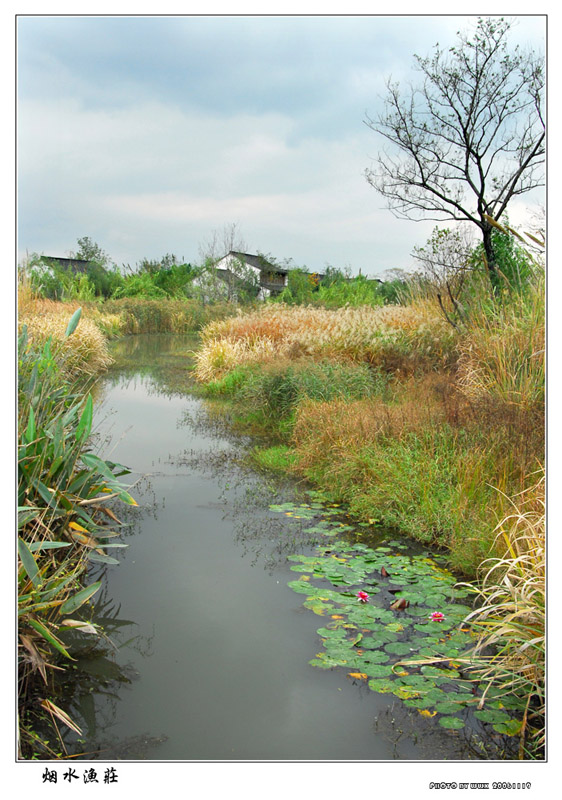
<point>453,723</point>
<point>375,657</point>
<point>378,670</point>
<point>510,728</point>
<point>398,648</point>
<point>492,715</point>
<point>419,702</point>
<point>302,587</point>
<point>448,707</point>
<point>394,626</point>
<point>381,685</point>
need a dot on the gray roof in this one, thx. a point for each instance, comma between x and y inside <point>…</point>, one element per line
<point>78,264</point>
<point>258,261</point>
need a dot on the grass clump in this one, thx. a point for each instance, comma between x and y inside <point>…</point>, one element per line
<point>85,352</point>
<point>267,397</point>
<point>164,315</point>
<point>277,458</point>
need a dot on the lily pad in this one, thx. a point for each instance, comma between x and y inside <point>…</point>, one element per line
<point>399,648</point>
<point>381,685</point>
<point>453,723</point>
<point>492,715</point>
<point>511,728</point>
<point>448,707</point>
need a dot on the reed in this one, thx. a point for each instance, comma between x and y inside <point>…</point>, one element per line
<point>502,355</point>
<point>63,489</point>
<point>401,338</point>
<point>164,315</point>
<point>83,353</point>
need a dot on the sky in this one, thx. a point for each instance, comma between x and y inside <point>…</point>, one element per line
<point>149,134</point>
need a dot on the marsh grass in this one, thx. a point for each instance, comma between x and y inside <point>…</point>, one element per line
<point>398,338</point>
<point>267,396</point>
<point>502,355</point>
<point>85,352</point>
<point>164,315</point>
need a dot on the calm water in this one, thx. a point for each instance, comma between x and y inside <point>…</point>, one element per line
<point>209,648</point>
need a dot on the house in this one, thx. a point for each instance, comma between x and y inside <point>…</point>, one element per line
<point>236,269</point>
<point>77,265</point>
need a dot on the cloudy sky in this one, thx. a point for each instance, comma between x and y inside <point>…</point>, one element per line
<point>150,133</point>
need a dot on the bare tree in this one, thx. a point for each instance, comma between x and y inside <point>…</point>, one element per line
<point>470,138</point>
<point>446,260</point>
<point>221,242</point>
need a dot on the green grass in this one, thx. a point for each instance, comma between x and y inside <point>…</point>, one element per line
<point>278,458</point>
<point>272,393</point>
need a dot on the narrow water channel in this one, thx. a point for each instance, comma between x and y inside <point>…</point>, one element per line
<point>208,649</point>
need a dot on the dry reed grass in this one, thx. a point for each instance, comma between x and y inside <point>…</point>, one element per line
<point>502,357</point>
<point>395,337</point>
<point>85,351</point>
<point>416,404</point>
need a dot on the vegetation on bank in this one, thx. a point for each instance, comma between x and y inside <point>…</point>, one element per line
<point>427,416</point>
<point>64,522</point>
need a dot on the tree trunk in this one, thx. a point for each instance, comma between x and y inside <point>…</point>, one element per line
<point>490,256</point>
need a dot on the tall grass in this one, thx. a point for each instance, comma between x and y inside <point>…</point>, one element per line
<point>267,395</point>
<point>164,315</point>
<point>502,354</point>
<point>510,617</point>
<point>399,338</point>
<point>83,353</point>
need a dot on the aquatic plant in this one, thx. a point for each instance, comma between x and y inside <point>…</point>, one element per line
<point>510,613</point>
<point>85,352</point>
<point>422,658</point>
<point>63,489</point>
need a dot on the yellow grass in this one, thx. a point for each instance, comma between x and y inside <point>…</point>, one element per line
<point>391,336</point>
<point>84,351</point>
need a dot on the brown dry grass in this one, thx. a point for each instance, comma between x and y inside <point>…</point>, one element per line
<point>398,338</point>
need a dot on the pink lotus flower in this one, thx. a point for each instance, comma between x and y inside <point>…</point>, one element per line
<point>437,616</point>
<point>363,597</point>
